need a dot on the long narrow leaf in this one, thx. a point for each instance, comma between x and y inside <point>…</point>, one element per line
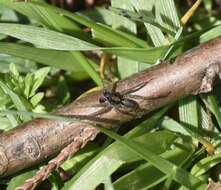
<point>147,176</point>
<point>114,156</point>
<point>43,16</point>
<point>49,39</point>
<point>178,174</point>
<point>59,59</point>
<point>205,164</point>
<point>45,38</point>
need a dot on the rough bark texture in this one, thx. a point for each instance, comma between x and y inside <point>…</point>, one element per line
<point>30,143</point>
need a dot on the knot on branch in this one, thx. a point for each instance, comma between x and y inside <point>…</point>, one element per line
<point>32,148</point>
<point>210,74</point>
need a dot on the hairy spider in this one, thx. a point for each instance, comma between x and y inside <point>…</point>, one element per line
<point>122,102</point>
<point>113,99</point>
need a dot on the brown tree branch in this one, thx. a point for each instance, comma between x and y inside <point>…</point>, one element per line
<point>67,152</point>
<point>33,142</point>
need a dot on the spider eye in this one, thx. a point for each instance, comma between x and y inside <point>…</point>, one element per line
<point>102,99</point>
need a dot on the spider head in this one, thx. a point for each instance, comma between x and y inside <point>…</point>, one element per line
<point>102,99</point>
<point>105,97</point>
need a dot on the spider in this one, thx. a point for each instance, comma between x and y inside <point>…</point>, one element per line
<point>111,99</point>
<point>122,102</point>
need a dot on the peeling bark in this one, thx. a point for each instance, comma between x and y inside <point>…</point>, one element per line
<point>192,73</point>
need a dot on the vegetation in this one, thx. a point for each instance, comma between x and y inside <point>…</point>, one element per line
<point>49,56</point>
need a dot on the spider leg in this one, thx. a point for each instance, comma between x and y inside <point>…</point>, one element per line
<point>125,112</point>
<point>138,114</point>
<point>136,88</point>
<point>101,111</point>
<point>114,86</point>
<point>150,97</point>
<point>88,106</point>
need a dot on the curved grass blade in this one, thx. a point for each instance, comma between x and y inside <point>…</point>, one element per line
<point>45,38</point>
<point>110,36</point>
<point>178,174</point>
<point>59,59</point>
<point>138,17</point>
<point>88,67</point>
<point>205,164</point>
<point>43,16</point>
<point>150,55</point>
<point>115,156</point>
<point>210,34</point>
<point>57,22</point>
<point>147,176</point>
<point>49,39</point>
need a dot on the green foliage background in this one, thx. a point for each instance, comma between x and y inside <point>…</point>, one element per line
<point>38,42</point>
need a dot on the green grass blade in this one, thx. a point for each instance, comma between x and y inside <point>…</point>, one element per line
<point>42,115</point>
<point>205,164</point>
<point>148,124</point>
<point>188,111</point>
<point>167,15</point>
<point>109,35</point>
<point>214,107</point>
<point>81,158</point>
<point>59,59</point>
<point>154,32</point>
<point>178,174</point>
<point>150,55</point>
<point>19,104</point>
<point>45,38</point>
<point>205,118</point>
<point>126,67</point>
<point>173,45</point>
<point>187,129</point>
<point>138,17</point>
<point>88,67</point>
<point>43,16</point>
<point>20,179</point>
<point>172,125</point>
<point>112,37</point>
<point>147,176</point>
<point>114,156</point>
<point>156,35</point>
<point>54,40</point>
<point>211,34</point>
